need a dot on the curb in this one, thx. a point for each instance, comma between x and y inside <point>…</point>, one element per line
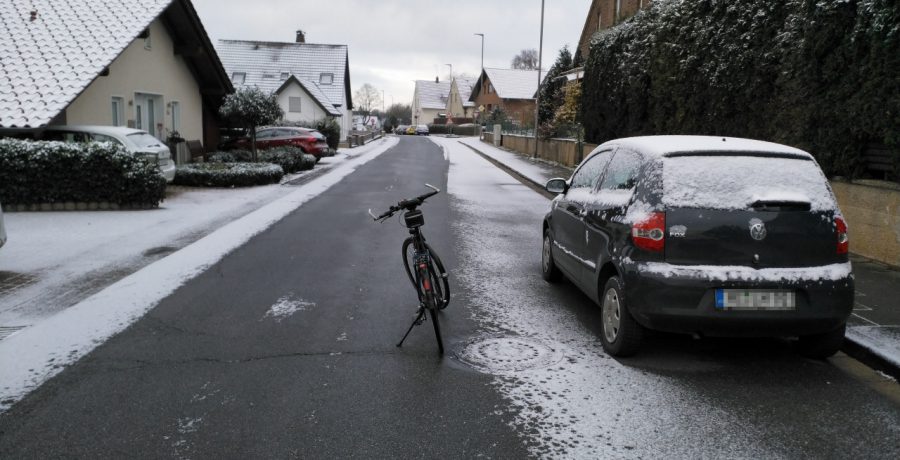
<point>852,347</point>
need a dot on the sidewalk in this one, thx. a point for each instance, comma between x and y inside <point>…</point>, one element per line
<point>873,330</point>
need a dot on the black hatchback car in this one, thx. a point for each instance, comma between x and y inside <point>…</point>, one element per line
<point>703,235</point>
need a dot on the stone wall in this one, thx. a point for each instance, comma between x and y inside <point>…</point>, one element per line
<point>872,211</point>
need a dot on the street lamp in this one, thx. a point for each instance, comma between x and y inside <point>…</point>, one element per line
<point>482,49</point>
<point>537,96</point>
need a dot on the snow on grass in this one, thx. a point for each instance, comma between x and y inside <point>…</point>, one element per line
<point>534,170</point>
<point>32,356</point>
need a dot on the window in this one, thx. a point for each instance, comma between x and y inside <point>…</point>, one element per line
<point>105,138</point>
<point>147,43</point>
<point>622,172</point>
<point>285,75</point>
<point>238,78</point>
<point>118,111</point>
<point>294,104</point>
<point>151,117</point>
<point>176,116</point>
<point>599,21</point>
<point>589,172</point>
<point>326,78</point>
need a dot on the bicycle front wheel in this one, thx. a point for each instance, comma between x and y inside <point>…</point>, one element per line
<point>437,329</point>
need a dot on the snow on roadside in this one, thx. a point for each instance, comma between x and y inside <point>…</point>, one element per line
<point>31,356</point>
<point>532,169</point>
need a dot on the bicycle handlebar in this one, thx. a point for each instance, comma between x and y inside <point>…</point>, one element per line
<point>408,205</point>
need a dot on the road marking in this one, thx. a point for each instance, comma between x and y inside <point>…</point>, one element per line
<point>866,319</point>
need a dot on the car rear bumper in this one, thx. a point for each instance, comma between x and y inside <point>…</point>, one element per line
<point>168,171</point>
<point>683,299</point>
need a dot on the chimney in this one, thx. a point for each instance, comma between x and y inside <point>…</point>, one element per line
<point>301,37</point>
<point>436,80</point>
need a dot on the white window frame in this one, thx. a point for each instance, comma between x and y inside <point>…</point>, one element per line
<point>291,101</point>
<point>330,77</point>
<point>117,106</point>
<point>235,75</point>
<point>175,119</point>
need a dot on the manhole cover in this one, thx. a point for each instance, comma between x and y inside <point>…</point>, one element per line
<point>504,354</point>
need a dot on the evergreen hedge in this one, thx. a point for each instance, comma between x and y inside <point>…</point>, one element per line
<point>291,159</point>
<point>227,174</point>
<point>37,172</point>
<point>822,75</point>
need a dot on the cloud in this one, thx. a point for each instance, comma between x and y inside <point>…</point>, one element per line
<point>392,43</point>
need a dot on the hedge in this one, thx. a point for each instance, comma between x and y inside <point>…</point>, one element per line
<point>38,172</point>
<point>460,130</point>
<point>227,174</point>
<point>821,75</point>
<point>291,159</point>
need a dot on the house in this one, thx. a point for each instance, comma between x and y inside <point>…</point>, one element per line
<point>511,90</point>
<point>604,14</point>
<point>311,80</point>
<point>429,100</point>
<point>458,103</point>
<point>145,64</point>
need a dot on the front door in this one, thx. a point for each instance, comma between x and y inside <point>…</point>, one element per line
<point>149,114</point>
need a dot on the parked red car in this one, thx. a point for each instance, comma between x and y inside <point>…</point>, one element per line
<point>308,140</point>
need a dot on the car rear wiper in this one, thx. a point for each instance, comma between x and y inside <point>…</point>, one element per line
<point>780,205</point>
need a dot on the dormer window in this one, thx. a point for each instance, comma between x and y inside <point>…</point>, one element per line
<point>238,78</point>
<point>285,75</point>
<point>326,78</point>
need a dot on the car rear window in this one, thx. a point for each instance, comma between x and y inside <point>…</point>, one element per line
<point>144,140</point>
<point>739,181</point>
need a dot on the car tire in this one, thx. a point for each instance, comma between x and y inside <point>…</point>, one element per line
<point>549,270</point>
<point>821,346</point>
<point>620,334</point>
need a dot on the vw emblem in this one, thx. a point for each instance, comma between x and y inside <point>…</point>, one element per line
<point>757,229</point>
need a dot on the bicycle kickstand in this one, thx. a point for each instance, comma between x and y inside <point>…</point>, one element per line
<point>417,321</point>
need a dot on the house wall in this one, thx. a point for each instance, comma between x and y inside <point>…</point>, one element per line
<point>310,110</point>
<point>872,211</point>
<point>521,110</point>
<point>604,14</point>
<point>455,106</point>
<point>486,99</point>
<point>138,70</point>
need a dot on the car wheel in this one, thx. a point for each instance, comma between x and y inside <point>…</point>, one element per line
<point>620,334</point>
<point>549,271</point>
<point>821,346</point>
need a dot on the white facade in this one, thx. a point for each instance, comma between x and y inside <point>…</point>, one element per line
<point>299,106</point>
<point>149,87</point>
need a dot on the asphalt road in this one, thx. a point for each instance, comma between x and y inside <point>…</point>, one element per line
<point>285,349</point>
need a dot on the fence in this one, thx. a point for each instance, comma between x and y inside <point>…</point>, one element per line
<point>566,152</point>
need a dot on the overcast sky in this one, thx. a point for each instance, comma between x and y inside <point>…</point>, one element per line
<point>392,43</point>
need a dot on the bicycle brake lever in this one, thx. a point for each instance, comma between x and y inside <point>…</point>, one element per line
<point>374,217</point>
<point>432,187</point>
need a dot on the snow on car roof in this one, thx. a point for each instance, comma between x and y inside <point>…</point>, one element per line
<point>666,145</point>
<point>99,129</point>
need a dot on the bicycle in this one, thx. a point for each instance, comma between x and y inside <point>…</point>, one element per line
<point>423,266</point>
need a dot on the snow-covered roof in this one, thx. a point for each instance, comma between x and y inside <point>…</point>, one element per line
<point>514,83</point>
<point>315,92</point>
<point>51,51</point>
<point>664,145</point>
<point>268,64</point>
<point>433,95</point>
<point>464,86</point>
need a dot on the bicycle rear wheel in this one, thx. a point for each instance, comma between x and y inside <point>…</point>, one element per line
<point>439,277</point>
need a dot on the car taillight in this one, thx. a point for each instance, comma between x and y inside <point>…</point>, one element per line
<point>843,240</point>
<point>650,233</point>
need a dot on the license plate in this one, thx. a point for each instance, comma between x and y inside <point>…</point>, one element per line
<point>755,299</point>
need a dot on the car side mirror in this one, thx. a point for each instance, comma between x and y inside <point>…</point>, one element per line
<point>557,185</point>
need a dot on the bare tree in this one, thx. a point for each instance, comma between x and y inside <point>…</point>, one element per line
<point>526,60</point>
<point>367,99</point>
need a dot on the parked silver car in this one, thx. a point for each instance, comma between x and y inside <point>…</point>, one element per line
<point>135,141</point>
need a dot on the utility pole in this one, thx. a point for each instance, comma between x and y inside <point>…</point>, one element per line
<point>451,71</point>
<point>537,96</point>
<point>482,50</point>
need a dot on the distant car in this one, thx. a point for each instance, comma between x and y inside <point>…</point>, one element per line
<point>2,229</point>
<point>401,129</point>
<point>306,139</point>
<point>135,141</point>
<point>411,130</point>
<point>703,235</point>
<point>421,130</point>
